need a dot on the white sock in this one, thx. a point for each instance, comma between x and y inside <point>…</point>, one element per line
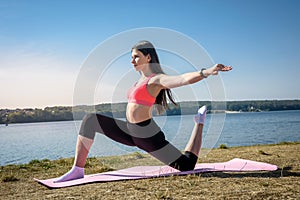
<point>201,115</point>
<point>74,173</point>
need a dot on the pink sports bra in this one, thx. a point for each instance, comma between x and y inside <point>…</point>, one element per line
<point>140,94</point>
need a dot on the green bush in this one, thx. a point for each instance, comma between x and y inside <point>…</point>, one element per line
<point>223,146</point>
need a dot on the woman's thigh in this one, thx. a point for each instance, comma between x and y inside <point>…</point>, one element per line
<point>113,128</point>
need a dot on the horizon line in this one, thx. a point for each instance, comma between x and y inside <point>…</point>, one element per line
<point>51,106</point>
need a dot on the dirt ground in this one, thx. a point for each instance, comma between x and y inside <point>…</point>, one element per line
<point>17,180</point>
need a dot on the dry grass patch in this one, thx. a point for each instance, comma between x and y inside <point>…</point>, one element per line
<point>17,180</point>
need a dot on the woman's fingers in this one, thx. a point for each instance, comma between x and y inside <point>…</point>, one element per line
<point>222,67</point>
<point>219,67</point>
<point>226,68</point>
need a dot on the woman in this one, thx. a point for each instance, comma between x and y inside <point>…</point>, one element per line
<point>140,130</point>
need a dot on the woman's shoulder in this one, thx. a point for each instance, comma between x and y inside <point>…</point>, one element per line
<point>156,79</point>
<point>160,75</point>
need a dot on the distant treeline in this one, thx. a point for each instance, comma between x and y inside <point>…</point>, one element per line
<point>65,113</point>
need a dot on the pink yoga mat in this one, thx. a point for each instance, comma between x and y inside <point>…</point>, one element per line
<point>139,172</point>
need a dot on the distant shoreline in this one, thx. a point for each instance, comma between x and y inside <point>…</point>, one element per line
<point>68,113</point>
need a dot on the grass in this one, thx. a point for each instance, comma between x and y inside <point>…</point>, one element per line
<point>9,178</point>
<point>16,181</point>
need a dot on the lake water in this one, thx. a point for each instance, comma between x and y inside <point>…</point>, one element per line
<point>21,143</point>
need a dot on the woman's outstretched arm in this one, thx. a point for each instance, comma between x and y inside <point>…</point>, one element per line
<point>167,81</point>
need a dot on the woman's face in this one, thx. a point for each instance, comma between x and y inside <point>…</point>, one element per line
<point>138,59</point>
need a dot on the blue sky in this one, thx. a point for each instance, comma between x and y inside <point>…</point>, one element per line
<point>44,43</point>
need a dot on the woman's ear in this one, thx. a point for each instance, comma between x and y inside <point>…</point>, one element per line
<point>148,58</point>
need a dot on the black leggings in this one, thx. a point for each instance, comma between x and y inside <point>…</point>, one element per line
<point>145,135</point>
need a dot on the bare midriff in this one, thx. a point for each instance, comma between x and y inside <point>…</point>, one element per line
<point>136,113</point>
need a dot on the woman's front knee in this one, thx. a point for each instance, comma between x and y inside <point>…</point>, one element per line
<point>90,119</point>
<point>88,124</point>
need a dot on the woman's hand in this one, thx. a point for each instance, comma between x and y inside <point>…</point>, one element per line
<point>214,70</point>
